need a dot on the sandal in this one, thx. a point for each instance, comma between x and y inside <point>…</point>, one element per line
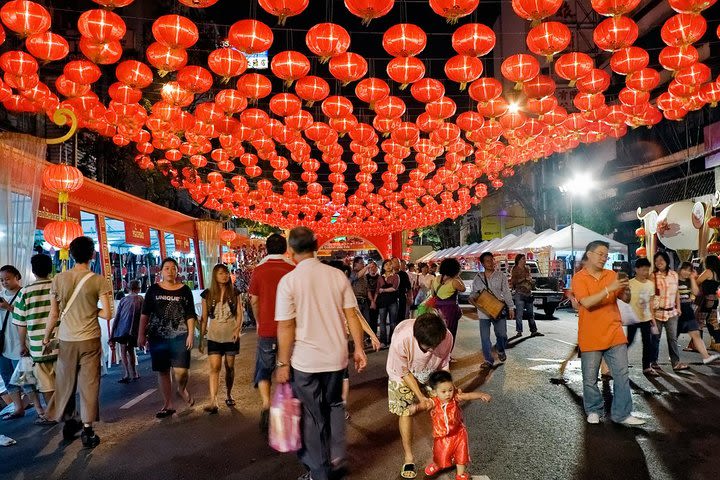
<point>408,471</point>
<point>230,402</point>
<point>43,421</point>
<point>680,366</point>
<point>211,409</point>
<point>431,470</point>
<point>164,413</point>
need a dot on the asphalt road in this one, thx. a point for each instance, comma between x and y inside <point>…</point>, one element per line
<point>533,429</point>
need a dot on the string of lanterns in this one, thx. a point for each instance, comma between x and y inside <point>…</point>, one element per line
<point>62,179</point>
<point>457,155</point>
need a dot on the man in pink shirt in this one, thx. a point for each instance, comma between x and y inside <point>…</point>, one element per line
<point>314,303</point>
<point>418,348</point>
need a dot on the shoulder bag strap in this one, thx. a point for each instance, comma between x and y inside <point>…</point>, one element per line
<point>75,293</point>
<point>7,315</point>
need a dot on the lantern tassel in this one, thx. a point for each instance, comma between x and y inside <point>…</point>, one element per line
<point>63,197</point>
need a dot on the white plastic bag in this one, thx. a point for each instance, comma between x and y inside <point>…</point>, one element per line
<point>627,314</point>
<point>23,374</point>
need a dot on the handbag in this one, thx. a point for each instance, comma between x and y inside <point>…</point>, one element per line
<point>486,301</point>
<point>284,435</point>
<point>627,314</point>
<point>6,320</point>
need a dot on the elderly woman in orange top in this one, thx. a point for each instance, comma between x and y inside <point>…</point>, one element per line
<point>601,336</point>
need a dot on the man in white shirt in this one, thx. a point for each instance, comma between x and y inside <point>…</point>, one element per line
<point>314,310</point>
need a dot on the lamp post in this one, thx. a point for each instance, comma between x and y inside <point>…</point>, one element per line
<point>581,184</point>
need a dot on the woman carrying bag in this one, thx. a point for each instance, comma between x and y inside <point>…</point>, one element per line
<point>446,288</point>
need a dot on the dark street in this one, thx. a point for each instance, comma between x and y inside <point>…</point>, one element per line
<point>532,429</point>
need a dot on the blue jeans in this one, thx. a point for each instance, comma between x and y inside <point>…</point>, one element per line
<point>671,328</point>
<point>524,311</point>
<point>500,327</point>
<point>387,321</point>
<point>617,360</point>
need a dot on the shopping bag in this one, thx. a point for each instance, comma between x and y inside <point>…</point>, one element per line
<point>285,435</point>
<point>627,314</point>
<point>23,374</point>
<point>427,305</point>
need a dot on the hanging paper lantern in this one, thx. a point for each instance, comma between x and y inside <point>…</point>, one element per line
<point>615,33</point>
<point>337,106</point>
<point>710,93</point>
<point>118,3</point>
<point>538,87</point>
<point>597,81</point>
<point>62,179</point>
<point>227,63</point>
<point>348,67</point>
<point>175,31</point>
<point>573,66</point>
<point>391,107</point>
<point>101,26</point>
<point>614,8</point>
<point>229,258</point>
<point>312,89</point>
<point>101,53</point>
<point>628,60</point>
<point>372,90</point>
<point>683,29</point>
<point>676,58</point>
<point>485,89</point>
<point>536,10</point>
<point>548,39</point>
<point>473,39</point>
<point>369,9</point>
<point>463,69</point>
<point>60,233</point>
<point>453,10</point>
<point>520,68</point>
<point>132,73</point>
<point>254,86</point>
<point>644,80</point>
<point>283,8</point>
<point>194,79</point>
<point>290,66</point>
<point>17,62</point>
<point>166,59</point>
<point>47,46</point>
<point>427,90</point>
<point>284,104</point>
<point>406,70</point>
<point>327,40</point>
<point>404,40</point>
<point>250,36</point>
<point>25,18</point>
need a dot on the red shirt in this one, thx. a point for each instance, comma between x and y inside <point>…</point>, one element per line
<point>263,284</point>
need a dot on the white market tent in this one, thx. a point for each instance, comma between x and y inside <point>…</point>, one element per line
<point>560,241</point>
<point>519,243</point>
<point>464,250</point>
<point>505,241</point>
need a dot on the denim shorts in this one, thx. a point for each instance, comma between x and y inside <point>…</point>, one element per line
<point>169,352</point>
<point>265,359</point>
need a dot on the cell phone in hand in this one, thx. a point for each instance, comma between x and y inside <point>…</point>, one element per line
<point>622,276</point>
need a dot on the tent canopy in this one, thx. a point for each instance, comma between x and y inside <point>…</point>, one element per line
<point>560,241</point>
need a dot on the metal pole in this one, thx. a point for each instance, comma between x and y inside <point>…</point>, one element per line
<point>572,235</point>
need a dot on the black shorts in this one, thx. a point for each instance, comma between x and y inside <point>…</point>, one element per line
<point>169,352</point>
<point>223,348</point>
<point>128,340</point>
<point>265,359</point>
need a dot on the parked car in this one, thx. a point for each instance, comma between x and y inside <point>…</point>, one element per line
<point>467,277</point>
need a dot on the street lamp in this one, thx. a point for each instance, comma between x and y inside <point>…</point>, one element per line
<point>580,185</point>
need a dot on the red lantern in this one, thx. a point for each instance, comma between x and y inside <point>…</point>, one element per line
<point>473,39</point>
<point>284,104</point>
<point>175,31</point>
<point>443,108</point>
<point>641,252</point>
<point>404,40</point>
<point>406,70</point>
<point>427,90</point>
<point>683,29</point>
<point>18,63</point>
<point>60,233</point>
<point>369,9</point>
<point>336,107</point>
<point>312,89</point>
<point>677,58</point>
<point>227,236</point>
<point>229,258</point>
<point>453,10</point>
<point>227,63</point>
<point>694,75</point>
<point>573,66</point>
<point>250,36</point>
<point>485,89</point>
<point>283,8</point>
<point>710,93</point>
<point>520,68</point>
<point>463,69</point>
<point>101,53</point>
<point>327,40</point>
<point>133,73</point>
<point>25,18</point>
<point>615,33</point>
<point>194,79</point>
<point>536,10</point>
<point>62,179</point>
<point>348,67</point>
<point>597,81</point>
<point>628,60</point>
<point>290,66</point>
<point>614,8</point>
<point>101,26</point>
<point>254,86</point>
<point>371,90</point>
<point>643,80</point>
<point>166,59</point>
<point>119,3</point>
<point>540,86</point>
<point>548,39</point>
<point>47,46</point>
<point>391,107</point>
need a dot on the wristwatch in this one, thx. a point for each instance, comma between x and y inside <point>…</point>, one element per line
<point>281,364</point>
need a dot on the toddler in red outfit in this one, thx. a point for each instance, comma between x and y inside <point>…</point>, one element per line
<point>450,447</point>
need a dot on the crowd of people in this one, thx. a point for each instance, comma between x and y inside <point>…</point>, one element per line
<point>312,317</point>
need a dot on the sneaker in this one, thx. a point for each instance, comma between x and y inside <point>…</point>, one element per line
<point>593,419</point>
<point>537,334</point>
<point>711,358</point>
<point>502,357</point>
<point>462,476</point>
<point>89,439</point>
<point>632,421</point>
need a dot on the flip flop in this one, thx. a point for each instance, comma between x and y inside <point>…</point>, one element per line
<point>230,402</point>
<point>164,413</point>
<point>408,471</point>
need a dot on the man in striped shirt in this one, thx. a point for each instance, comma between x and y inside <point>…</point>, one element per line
<point>30,315</point>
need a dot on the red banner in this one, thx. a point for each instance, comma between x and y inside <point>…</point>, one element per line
<point>137,234</point>
<point>49,211</point>
<point>182,244</point>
